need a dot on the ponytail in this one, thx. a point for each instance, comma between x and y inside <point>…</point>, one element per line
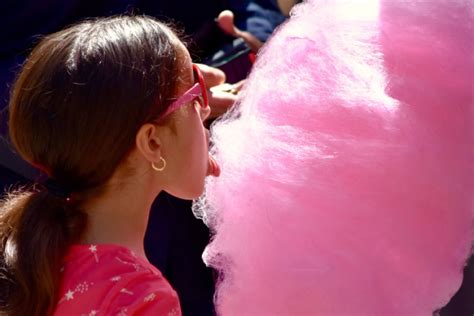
<point>36,229</point>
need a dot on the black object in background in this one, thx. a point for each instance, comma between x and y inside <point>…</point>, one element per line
<point>174,242</point>
<point>462,303</point>
<point>234,58</point>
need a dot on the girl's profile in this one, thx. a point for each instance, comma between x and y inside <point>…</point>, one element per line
<point>111,110</point>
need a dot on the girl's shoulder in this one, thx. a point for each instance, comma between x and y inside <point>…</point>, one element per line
<point>111,280</point>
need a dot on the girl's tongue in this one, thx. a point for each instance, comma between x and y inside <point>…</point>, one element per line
<point>213,168</point>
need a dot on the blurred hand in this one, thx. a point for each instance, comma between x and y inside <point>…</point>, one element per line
<point>221,95</point>
<point>212,76</point>
<point>225,20</point>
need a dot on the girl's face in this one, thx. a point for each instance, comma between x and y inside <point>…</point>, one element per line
<point>187,153</point>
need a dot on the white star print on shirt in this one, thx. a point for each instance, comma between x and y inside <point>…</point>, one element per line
<point>149,297</point>
<point>124,290</point>
<point>69,295</point>
<point>92,313</point>
<point>93,249</point>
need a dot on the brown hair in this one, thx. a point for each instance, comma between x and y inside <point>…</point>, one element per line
<point>75,109</point>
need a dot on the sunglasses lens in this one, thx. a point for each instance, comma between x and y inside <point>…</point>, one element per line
<point>203,98</point>
<point>200,99</point>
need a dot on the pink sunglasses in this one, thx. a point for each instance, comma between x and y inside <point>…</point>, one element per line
<point>198,90</point>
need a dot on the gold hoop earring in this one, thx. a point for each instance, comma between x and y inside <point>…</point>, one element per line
<point>161,168</point>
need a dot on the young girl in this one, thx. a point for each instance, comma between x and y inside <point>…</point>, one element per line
<point>111,110</point>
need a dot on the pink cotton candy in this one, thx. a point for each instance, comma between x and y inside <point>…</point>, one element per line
<point>348,166</point>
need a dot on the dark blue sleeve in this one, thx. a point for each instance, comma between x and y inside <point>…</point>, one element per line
<point>259,17</point>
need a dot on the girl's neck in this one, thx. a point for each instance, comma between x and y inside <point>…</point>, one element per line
<point>119,217</point>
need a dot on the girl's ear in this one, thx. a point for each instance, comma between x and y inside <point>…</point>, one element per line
<point>148,142</point>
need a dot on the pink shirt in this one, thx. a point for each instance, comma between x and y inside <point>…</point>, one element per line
<point>111,280</point>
